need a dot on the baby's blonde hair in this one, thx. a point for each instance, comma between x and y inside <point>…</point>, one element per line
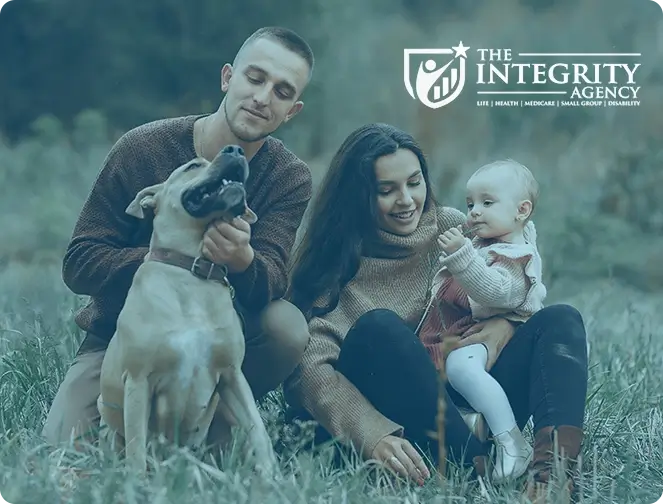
<point>528,183</point>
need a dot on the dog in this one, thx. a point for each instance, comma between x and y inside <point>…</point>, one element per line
<point>176,356</point>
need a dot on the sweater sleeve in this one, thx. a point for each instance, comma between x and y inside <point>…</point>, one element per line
<point>502,285</point>
<point>332,399</point>
<point>272,239</point>
<point>449,217</point>
<point>100,259</point>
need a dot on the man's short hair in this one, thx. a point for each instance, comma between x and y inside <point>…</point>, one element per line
<point>287,38</point>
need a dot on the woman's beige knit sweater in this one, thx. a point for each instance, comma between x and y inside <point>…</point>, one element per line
<point>395,274</point>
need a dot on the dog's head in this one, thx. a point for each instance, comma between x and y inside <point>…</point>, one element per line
<point>200,190</point>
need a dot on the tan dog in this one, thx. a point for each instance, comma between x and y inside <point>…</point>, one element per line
<point>178,348</point>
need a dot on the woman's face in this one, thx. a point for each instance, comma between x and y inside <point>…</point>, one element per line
<point>401,192</point>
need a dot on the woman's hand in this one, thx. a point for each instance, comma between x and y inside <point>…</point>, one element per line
<point>398,455</point>
<point>494,333</point>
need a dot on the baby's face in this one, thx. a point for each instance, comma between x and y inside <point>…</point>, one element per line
<point>493,198</point>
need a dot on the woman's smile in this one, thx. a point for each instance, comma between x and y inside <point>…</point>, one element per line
<point>405,217</point>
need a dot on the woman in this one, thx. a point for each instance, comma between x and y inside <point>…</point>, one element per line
<point>362,275</point>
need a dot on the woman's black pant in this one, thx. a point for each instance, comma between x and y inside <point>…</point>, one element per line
<point>543,370</point>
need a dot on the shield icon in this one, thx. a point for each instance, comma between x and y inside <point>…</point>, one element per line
<point>436,84</point>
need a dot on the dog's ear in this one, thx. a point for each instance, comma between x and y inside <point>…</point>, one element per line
<point>146,198</point>
<point>249,215</point>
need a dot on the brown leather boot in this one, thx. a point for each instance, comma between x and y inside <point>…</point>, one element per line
<point>556,453</point>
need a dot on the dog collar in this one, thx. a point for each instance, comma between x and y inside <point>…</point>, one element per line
<point>198,266</point>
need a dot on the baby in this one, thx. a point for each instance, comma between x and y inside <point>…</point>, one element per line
<point>498,272</point>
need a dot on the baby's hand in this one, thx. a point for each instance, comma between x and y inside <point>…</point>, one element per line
<point>451,240</point>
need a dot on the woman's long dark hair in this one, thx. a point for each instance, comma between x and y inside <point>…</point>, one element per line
<point>343,215</point>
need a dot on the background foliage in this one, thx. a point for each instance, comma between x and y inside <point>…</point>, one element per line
<point>75,75</point>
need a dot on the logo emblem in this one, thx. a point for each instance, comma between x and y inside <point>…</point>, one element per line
<point>438,82</point>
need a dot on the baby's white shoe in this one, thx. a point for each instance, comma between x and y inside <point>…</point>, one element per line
<point>513,455</point>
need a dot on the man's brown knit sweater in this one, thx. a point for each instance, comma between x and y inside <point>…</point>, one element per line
<point>108,245</point>
<point>396,276</point>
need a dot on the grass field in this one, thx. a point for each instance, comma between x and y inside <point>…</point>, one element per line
<point>623,457</point>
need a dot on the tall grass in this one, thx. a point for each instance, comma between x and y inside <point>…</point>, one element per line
<point>622,459</point>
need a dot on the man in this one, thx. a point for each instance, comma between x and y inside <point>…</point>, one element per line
<point>262,90</point>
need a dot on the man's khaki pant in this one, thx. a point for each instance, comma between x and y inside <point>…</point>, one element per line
<point>275,343</point>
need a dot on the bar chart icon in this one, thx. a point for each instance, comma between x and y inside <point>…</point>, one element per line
<point>448,82</point>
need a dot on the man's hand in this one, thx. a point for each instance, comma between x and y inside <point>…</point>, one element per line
<point>494,333</point>
<point>228,243</point>
<point>452,240</point>
<point>399,456</point>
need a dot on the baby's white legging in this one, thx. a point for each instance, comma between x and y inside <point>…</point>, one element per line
<point>466,372</point>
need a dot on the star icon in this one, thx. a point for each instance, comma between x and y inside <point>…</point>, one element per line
<point>460,50</point>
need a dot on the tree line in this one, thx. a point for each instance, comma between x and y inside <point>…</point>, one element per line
<point>136,61</point>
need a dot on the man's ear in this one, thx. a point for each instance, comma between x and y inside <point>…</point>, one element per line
<point>249,215</point>
<point>294,110</point>
<point>226,74</point>
<point>146,198</point>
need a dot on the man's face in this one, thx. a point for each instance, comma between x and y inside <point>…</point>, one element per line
<point>262,89</point>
